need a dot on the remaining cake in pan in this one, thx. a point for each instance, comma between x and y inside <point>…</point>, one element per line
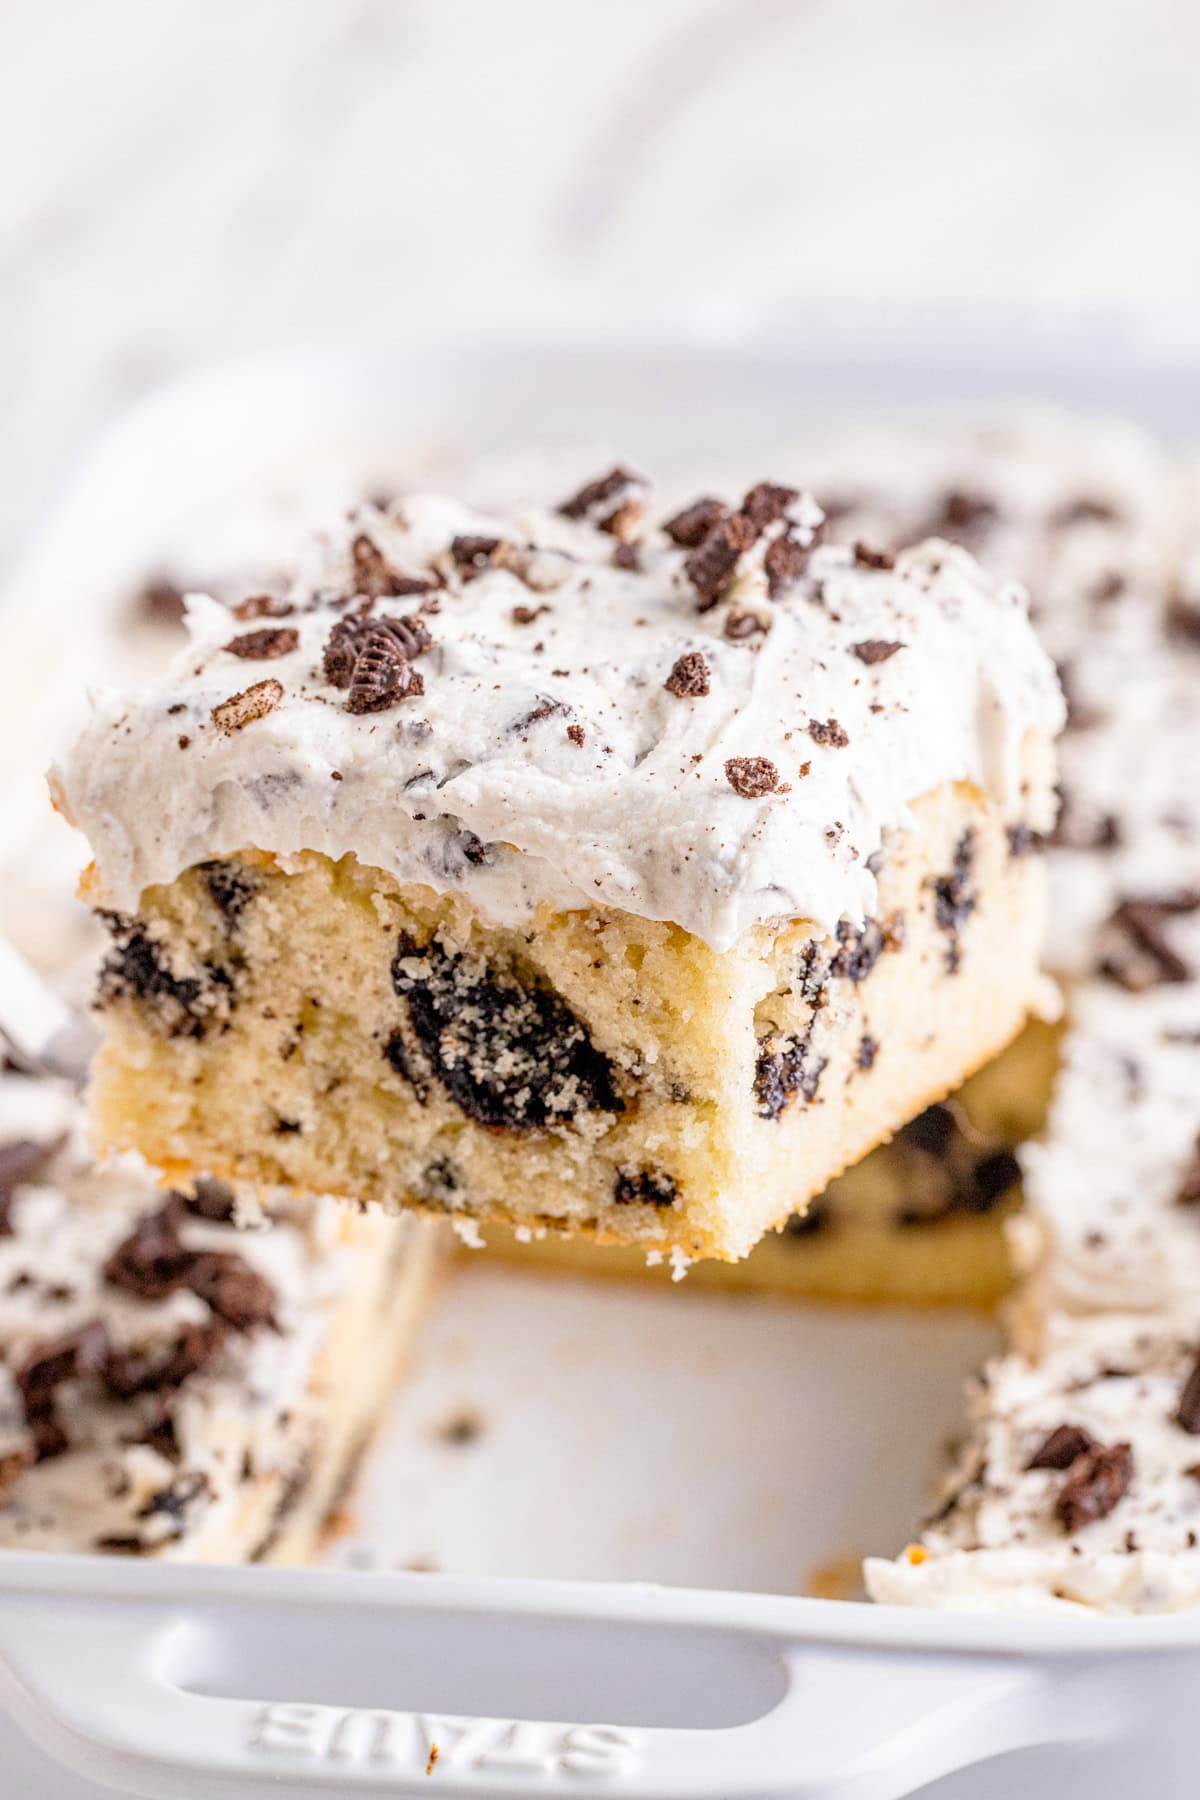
<point>1106,1511</point>
<point>1080,1484</point>
<point>555,870</point>
<point>170,1386</point>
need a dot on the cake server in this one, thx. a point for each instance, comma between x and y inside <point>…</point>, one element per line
<point>41,1032</point>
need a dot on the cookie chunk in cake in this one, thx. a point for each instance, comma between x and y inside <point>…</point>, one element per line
<point>170,1386</point>
<point>554,868</point>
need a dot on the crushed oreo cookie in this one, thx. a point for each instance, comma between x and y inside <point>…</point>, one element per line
<point>505,1047</point>
<point>473,554</point>
<point>785,1068</point>
<point>713,561</point>
<point>1135,949</point>
<point>265,644</point>
<point>646,1187</point>
<point>73,1357</point>
<point>231,888</point>
<point>876,650</point>
<point>138,967</point>
<point>374,576</point>
<point>828,733</point>
<point>955,898</point>
<point>691,526</point>
<point>163,1367</point>
<point>751,776</point>
<point>153,1261</point>
<point>371,658</point>
<point>1097,1482</point>
<point>1063,1447</point>
<point>382,675</point>
<point>690,677</point>
<point>858,950</point>
<point>611,503</point>
<point>246,708</point>
<point>262,606</point>
<point>868,558</point>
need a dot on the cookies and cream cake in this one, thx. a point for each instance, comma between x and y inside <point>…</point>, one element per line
<point>171,1386</point>
<point>1086,514</point>
<point>570,870</point>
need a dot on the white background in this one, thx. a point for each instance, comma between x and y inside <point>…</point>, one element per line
<point>184,177</point>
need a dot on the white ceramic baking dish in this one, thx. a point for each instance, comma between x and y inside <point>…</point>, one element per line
<point>685,1453</point>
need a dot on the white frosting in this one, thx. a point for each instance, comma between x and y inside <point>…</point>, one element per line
<point>1104,1227</point>
<point>641,815</point>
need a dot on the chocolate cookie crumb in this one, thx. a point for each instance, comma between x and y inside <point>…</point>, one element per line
<point>375,577</point>
<point>751,776</point>
<point>266,644</point>
<point>1064,1446</point>
<point>714,559</point>
<point>612,502</point>
<point>867,558</point>
<point>262,606</point>
<point>472,555</point>
<point>1098,1481</point>
<point>689,677</point>
<point>784,562</point>
<point>1135,950</point>
<point>955,898</point>
<point>78,1354</point>
<point>876,650</point>
<point>244,709</point>
<point>649,1187</point>
<point>382,675</point>
<point>576,734</point>
<point>691,526</point>
<point>785,1068</point>
<point>828,733</point>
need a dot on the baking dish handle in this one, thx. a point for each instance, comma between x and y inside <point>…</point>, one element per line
<point>101,1689</point>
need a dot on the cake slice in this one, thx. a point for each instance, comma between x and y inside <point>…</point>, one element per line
<point>549,869</point>
<point>170,1386</point>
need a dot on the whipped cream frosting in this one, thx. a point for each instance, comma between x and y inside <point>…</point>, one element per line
<point>547,761</point>
<point>246,1409</point>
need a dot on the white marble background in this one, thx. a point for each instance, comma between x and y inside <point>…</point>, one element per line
<point>180,178</point>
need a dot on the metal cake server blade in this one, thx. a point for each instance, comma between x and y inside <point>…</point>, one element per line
<point>40,1031</point>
